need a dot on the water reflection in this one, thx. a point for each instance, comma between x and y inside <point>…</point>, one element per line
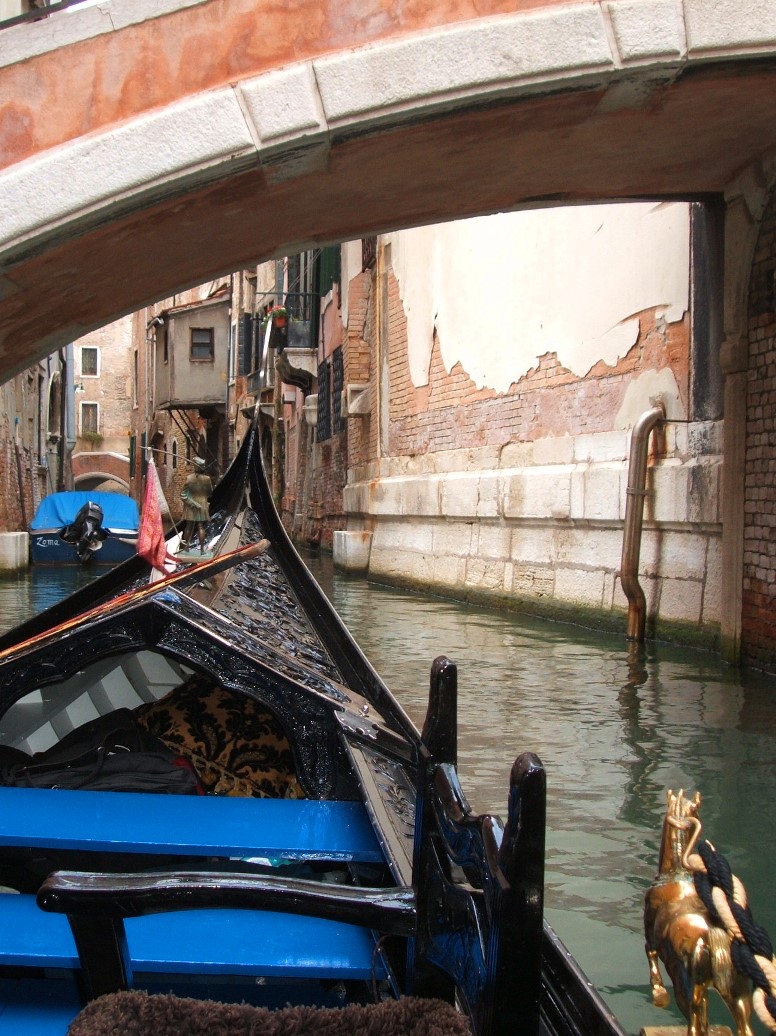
<point>614,728</point>
<point>25,594</point>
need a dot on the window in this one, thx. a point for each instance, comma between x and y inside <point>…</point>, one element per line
<point>90,361</point>
<point>201,343</point>
<point>328,268</point>
<point>90,418</point>
<point>337,386</point>
<point>324,394</point>
<point>233,338</point>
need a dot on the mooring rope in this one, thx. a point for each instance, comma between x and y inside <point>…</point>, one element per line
<point>751,951</point>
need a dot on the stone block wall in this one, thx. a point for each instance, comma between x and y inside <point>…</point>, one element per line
<point>548,537</point>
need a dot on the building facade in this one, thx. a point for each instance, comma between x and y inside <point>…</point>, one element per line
<point>102,407</point>
<point>478,385</point>
<point>185,385</point>
<point>453,407</point>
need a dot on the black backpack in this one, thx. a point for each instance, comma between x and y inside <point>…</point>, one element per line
<point>110,753</point>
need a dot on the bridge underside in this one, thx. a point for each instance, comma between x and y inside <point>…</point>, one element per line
<point>690,137</point>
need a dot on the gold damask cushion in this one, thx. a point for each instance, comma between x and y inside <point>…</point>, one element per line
<point>235,744</point>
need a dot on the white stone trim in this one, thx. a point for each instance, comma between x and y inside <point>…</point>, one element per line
<point>647,30</point>
<point>288,117</point>
<point>285,106</point>
<point>487,57</point>
<point>203,135</point>
<point>729,27</point>
<point>62,28</point>
<point>679,493</point>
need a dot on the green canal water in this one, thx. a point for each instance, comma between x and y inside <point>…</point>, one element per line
<point>614,732</point>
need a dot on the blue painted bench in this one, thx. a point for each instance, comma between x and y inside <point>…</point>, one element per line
<point>33,1008</point>
<point>187,825</point>
<point>201,941</point>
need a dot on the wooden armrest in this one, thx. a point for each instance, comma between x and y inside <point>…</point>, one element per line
<point>116,896</point>
<point>97,905</point>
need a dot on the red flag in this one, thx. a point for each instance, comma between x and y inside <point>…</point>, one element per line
<point>151,545</point>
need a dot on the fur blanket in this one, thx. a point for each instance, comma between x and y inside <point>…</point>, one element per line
<point>139,1014</point>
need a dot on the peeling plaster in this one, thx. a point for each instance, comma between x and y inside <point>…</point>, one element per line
<point>644,391</point>
<point>504,290</point>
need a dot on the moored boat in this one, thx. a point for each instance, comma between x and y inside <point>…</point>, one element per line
<point>76,527</point>
<point>313,846</point>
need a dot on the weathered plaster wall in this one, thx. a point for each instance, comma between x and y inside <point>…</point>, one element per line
<point>510,481</point>
<point>504,290</point>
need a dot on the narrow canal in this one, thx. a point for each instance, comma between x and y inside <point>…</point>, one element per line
<point>613,731</point>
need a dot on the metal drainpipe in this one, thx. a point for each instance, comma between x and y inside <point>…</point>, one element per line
<point>634,516</point>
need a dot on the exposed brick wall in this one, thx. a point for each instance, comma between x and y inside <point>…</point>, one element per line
<point>759,589</point>
<point>311,508</point>
<point>99,462</point>
<point>16,507</point>
<point>358,366</point>
<point>451,412</point>
<point>24,481</point>
<point>315,472</point>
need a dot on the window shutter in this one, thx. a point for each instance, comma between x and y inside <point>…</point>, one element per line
<point>338,383</point>
<point>244,344</point>
<point>328,268</point>
<point>324,408</point>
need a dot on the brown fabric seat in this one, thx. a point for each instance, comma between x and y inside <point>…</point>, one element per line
<point>235,744</point>
<point>136,1013</point>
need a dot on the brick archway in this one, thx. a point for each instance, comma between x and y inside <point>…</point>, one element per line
<point>103,466</point>
<point>97,479</point>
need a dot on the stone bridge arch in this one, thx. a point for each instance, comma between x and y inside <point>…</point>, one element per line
<point>148,146</point>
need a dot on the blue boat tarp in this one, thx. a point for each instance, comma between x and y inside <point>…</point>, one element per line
<point>58,509</point>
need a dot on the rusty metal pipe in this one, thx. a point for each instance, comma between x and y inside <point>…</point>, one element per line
<point>634,518</point>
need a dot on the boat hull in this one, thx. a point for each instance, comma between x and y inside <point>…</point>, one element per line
<point>47,548</point>
<point>84,527</point>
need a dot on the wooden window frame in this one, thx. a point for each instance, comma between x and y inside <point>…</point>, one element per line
<point>90,349</point>
<point>89,404</point>
<point>211,344</point>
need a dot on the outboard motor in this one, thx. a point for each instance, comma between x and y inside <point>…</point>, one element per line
<point>86,531</point>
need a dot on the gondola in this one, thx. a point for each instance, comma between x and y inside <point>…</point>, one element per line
<point>323,855</point>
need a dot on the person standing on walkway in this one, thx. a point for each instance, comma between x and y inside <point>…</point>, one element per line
<point>196,495</point>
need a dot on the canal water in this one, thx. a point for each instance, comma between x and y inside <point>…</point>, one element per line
<point>614,730</point>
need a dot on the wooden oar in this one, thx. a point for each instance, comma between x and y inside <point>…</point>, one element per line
<point>193,573</point>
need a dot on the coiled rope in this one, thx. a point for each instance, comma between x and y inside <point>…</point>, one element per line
<point>751,951</point>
